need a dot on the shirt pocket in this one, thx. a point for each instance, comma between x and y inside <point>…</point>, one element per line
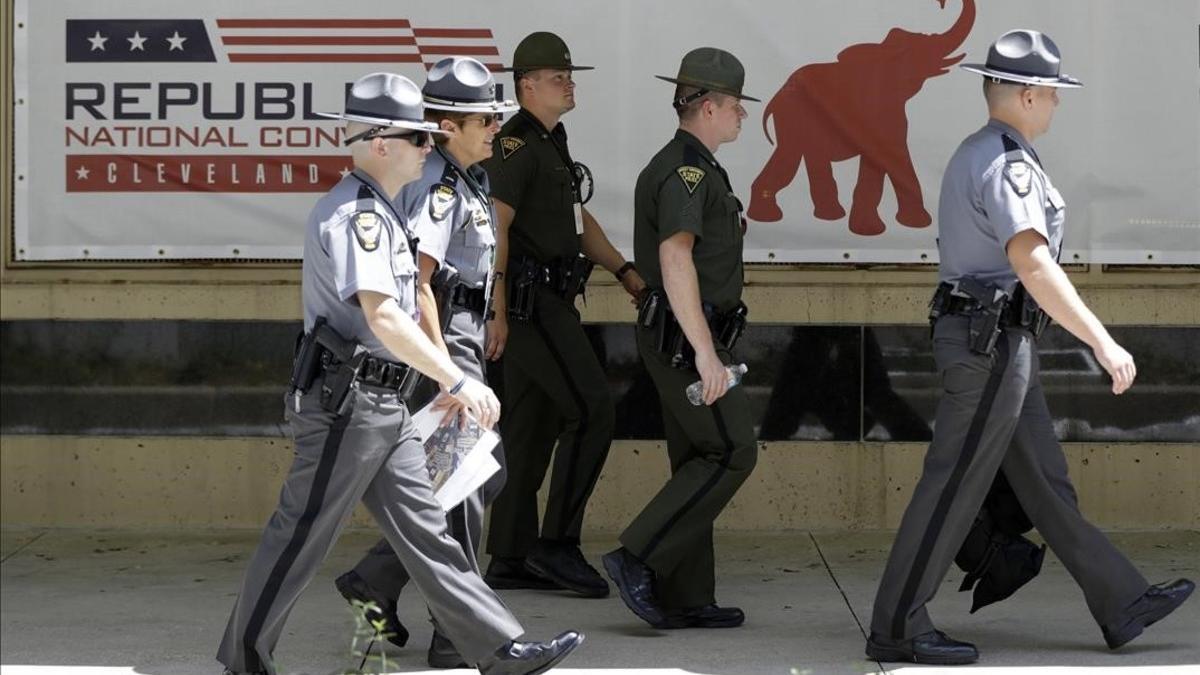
<point>564,184</point>
<point>478,243</point>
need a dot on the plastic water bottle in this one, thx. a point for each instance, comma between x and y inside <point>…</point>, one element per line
<point>733,374</point>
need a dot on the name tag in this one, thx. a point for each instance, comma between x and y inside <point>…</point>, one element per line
<point>578,218</point>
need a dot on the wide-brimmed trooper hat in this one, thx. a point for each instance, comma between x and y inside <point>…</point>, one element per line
<point>462,84</point>
<point>1024,57</point>
<point>542,50</point>
<point>385,100</point>
<point>711,69</point>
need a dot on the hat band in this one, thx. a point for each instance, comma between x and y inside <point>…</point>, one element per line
<point>376,115</point>
<point>1022,73</point>
<point>460,101</point>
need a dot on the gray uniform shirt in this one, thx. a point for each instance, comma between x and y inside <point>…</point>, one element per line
<point>994,188</point>
<point>450,213</point>
<point>354,242</point>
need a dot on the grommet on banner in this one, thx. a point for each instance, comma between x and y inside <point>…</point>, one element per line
<point>845,256</point>
<point>924,256</point>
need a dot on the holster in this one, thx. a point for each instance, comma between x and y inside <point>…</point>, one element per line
<point>566,278</point>
<point>323,349</point>
<point>1023,311</point>
<point>984,305</point>
<point>654,313</point>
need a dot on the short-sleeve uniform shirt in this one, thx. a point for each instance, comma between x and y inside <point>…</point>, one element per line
<point>354,242</point>
<point>531,170</point>
<point>684,189</point>
<point>450,214</point>
<point>994,188</point>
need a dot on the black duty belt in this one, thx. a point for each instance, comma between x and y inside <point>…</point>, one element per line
<point>374,371</point>
<point>472,299</point>
<point>654,313</point>
<point>1019,310</point>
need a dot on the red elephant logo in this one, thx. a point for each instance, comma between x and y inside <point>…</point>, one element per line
<point>830,112</point>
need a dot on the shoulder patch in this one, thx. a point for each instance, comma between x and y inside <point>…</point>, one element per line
<point>441,198</point>
<point>367,225</point>
<point>1020,176</point>
<point>691,177</point>
<point>509,145</point>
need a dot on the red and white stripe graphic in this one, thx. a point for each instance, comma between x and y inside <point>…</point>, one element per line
<point>351,41</point>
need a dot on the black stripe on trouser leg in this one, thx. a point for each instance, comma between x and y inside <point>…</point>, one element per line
<point>938,517</point>
<point>299,536</point>
<point>709,484</point>
<point>568,508</point>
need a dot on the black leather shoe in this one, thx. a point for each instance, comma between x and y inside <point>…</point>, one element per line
<point>564,564</point>
<point>708,616</point>
<point>1157,602</point>
<point>531,658</point>
<point>353,587</point>
<point>443,654</point>
<point>934,648</point>
<point>505,574</point>
<point>635,583</point>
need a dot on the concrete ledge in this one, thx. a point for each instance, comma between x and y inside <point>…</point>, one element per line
<point>796,298</point>
<point>79,481</point>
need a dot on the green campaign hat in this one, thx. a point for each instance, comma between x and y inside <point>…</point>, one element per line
<point>712,69</point>
<point>543,50</point>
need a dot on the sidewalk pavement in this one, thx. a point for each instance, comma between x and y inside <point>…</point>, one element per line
<point>117,602</point>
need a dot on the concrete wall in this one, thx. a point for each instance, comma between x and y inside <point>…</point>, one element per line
<point>107,481</point>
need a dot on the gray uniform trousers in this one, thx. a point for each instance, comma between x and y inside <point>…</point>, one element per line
<point>993,415</point>
<point>370,453</point>
<point>380,567</point>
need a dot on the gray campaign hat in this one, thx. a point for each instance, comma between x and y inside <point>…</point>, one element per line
<point>385,100</point>
<point>1024,57</point>
<point>462,84</point>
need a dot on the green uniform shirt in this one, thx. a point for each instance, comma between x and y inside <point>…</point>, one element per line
<point>683,189</point>
<point>531,170</point>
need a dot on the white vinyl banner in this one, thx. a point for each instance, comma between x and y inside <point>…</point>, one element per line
<point>164,129</point>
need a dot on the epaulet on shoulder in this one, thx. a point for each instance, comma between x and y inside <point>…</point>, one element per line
<point>1016,166</point>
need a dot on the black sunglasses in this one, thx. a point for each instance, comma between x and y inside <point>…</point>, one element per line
<point>417,138</point>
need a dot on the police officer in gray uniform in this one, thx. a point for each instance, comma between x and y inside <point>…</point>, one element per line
<point>353,434</point>
<point>1000,231</point>
<point>451,215</point>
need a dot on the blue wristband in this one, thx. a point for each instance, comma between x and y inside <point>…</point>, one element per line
<point>453,391</point>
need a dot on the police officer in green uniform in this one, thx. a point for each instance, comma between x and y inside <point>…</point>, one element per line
<point>1000,232</point>
<point>451,215</point>
<point>688,243</point>
<point>557,399</point>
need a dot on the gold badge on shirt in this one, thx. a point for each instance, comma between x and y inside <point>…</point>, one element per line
<point>509,145</point>
<point>691,177</point>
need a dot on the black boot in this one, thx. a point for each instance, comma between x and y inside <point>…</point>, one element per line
<point>1157,602</point>
<point>511,573</point>
<point>353,587</point>
<point>564,564</point>
<point>531,658</point>
<point>708,616</point>
<point>635,583</point>
<point>934,648</point>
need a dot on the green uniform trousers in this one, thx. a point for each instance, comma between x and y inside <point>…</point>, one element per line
<point>556,395</point>
<point>712,452</point>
